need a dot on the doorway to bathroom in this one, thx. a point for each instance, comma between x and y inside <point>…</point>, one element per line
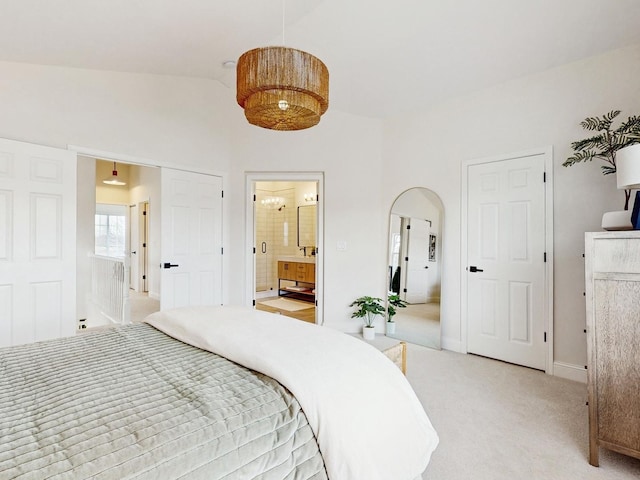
<point>284,229</point>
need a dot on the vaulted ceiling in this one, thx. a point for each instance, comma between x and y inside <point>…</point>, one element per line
<point>384,57</point>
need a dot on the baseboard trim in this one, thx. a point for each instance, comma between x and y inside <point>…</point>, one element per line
<point>577,373</point>
<point>452,344</point>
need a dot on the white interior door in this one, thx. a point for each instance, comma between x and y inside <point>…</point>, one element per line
<point>506,254</point>
<point>37,243</point>
<point>191,225</point>
<point>417,265</point>
<point>134,242</point>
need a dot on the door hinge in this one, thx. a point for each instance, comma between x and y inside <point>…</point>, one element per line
<point>317,197</point>
<point>408,227</point>
<point>254,197</point>
<point>144,245</point>
<point>254,302</point>
<point>221,250</point>
<point>222,192</point>
<point>544,177</point>
<point>254,250</point>
<point>406,259</point>
<point>545,257</point>
<point>144,212</point>
<point>545,337</point>
<point>144,277</point>
<point>404,290</point>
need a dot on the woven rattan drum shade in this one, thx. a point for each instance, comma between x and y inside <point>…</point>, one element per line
<point>282,88</point>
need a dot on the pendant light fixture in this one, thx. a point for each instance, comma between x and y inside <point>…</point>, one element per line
<point>282,88</point>
<point>113,179</point>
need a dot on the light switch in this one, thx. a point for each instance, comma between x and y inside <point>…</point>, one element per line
<point>341,245</point>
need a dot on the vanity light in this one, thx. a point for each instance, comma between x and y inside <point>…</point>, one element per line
<point>272,202</point>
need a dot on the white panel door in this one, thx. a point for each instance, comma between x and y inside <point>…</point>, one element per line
<point>134,243</point>
<point>505,271</point>
<point>191,225</point>
<point>37,243</point>
<point>417,265</point>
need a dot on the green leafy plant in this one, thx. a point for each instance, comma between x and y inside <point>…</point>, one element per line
<point>606,143</point>
<point>394,302</point>
<point>367,309</point>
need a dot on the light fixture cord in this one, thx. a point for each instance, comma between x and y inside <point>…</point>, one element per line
<point>283,5</point>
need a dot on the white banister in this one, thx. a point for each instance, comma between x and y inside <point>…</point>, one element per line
<point>110,287</point>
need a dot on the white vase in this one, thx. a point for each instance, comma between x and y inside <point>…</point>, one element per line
<point>369,333</point>
<point>391,328</point>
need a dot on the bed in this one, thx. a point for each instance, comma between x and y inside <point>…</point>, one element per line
<point>209,392</point>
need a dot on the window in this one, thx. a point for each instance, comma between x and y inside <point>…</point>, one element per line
<point>110,230</point>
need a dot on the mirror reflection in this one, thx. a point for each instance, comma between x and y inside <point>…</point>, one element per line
<point>307,226</point>
<point>414,267</point>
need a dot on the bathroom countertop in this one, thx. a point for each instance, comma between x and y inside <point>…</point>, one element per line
<point>295,258</point>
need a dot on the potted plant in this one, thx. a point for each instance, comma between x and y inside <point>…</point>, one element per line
<point>603,146</point>
<point>367,309</point>
<point>394,301</point>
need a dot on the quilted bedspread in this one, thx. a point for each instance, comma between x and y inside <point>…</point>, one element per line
<point>368,421</point>
<point>134,403</point>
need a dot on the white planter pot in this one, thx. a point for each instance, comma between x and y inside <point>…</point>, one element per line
<point>391,328</point>
<point>369,333</point>
<point>620,220</point>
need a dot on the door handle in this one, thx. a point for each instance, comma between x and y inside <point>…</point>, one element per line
<point>133,253</point>
<point>264,247</point>
<point>474,269</point>
<point>169,265</point>
<point>426,266</point>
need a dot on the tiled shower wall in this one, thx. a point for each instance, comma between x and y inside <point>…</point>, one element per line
<point>276,235</point>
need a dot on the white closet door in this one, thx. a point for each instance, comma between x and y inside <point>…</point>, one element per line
<point>37,242</point>
<point>191,239</point>
<point>506,271</point>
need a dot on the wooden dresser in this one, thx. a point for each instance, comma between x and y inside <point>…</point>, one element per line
<point>612,270</point>
<point>300,280</point>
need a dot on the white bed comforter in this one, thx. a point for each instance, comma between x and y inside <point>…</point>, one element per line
<point>366,417</point>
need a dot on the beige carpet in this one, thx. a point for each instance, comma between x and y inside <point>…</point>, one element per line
<point>498,421</point>
<point>287,304</point>
<point>419,324</point>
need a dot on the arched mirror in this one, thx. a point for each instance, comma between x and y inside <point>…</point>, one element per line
<point>414,269</point>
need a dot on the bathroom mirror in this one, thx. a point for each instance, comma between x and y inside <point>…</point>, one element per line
<point>307,226</point>
<point>414,266</point>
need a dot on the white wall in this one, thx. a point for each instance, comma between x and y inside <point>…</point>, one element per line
<point>85,238</point>
<point>347,149</point>
<point>161,118</point>
<point>194,122</point>
<point>145,187</point>
<point>426,149</point>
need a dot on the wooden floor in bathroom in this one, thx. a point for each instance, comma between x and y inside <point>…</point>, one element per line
<point>306,315</point>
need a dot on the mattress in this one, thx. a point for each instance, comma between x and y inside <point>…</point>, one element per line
<point>134,403</point>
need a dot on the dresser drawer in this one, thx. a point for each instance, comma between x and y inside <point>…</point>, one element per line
<point>616,255</point>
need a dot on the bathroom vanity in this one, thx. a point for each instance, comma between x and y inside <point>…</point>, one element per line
<point>297,278</point>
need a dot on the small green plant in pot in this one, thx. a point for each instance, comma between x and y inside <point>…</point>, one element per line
<point>394,301</point>
<point>367,308</point>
